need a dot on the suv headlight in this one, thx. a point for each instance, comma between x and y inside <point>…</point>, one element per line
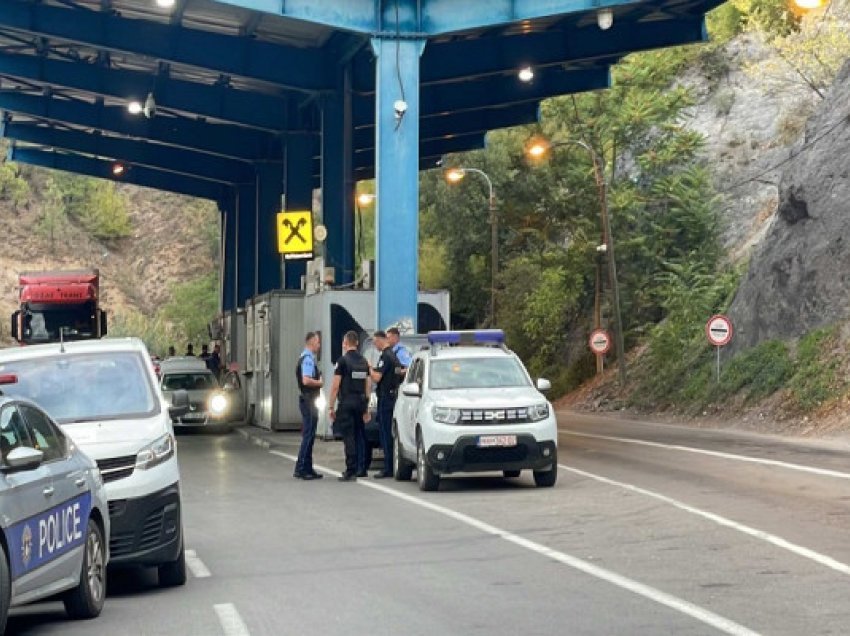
<point>218,404</point>
<point>445,415</point>
<point>538,412</point>
<point>156,453</point>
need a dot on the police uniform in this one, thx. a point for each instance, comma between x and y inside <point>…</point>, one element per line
<point>353,370</point>
<point>307,367</point>
<point>387,391</point>
<point>402,355</point>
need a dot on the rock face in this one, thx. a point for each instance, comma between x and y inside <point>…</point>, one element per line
<point>799,275</point>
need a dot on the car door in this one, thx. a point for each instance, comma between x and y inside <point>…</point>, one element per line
<point>62,528</point>
<point>24,497</point>
<point>407,408</point>
<point>233,389</point>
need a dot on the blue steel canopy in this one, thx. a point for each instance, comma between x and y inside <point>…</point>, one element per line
<point>261,98</point>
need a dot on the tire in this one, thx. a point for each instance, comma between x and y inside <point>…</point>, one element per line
<point>86,600</point>
<point>425,475</point>
<point>402,469</point>
<point>511,473</point>
<point>547,478</point>
<point>173,574</point>
<point>5,590</point>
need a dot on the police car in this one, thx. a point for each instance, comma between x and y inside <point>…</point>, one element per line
<point>104,396</point>
<point>468,405</point>
<point>54,516</point>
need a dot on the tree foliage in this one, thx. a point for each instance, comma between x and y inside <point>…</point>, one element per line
<point>96,204</point>
<point>194,304</point>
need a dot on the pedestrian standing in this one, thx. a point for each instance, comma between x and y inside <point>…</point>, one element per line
<point>190,350</point>
<point>214,360</point>
<point>309,383</point>
<point>387,379</point>
<point>401,352</point>
<point>352,385</point>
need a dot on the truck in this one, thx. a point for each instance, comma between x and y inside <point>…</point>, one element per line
<point>58,305</point>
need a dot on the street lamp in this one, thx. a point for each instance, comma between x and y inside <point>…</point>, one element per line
<point>456,175</point>
<point>538,148</point>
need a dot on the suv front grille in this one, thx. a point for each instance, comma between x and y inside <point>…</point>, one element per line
<point>475,455</point>
<point>494,416</point>
<point>116,467</point>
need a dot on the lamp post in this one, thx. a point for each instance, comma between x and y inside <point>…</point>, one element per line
<point>537,149</point>
<point>455,175</point>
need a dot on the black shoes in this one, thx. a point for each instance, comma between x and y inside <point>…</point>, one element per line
<point>346,476</point>
<point>308,476</point>
<point>381,476</point>
<point>362,473</point>
<point>316,475</point>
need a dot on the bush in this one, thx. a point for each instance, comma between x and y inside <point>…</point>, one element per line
<point>816,379</point>
<point>758,372</point>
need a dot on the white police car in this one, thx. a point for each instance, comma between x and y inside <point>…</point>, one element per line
<point>54,517</point>
<point>469,405</point>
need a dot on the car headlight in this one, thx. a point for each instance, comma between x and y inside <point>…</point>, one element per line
<point>321,401</point>
<point>218,404</point>
<point>538,412</point>
<point>156,453</point>
<point>445,415</point>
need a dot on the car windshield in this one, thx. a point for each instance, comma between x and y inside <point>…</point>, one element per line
<point>189,381</point>
<point>79,387</point>
<point>475,373</point>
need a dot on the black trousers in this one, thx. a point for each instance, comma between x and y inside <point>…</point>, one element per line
<point>349,422</point>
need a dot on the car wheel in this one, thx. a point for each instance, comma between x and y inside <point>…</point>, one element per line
<point>402,469</point>
<point>425,475</point>
<point>511,473</point>
<point>86,600</point>
<point>547,478</point>
<point>173,574</point>
<point>5,590</point>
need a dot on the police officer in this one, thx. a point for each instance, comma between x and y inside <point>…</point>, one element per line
<point>309,382</point>
<point>401,352</point>
<point>352,384</point>
<point>387,379</point>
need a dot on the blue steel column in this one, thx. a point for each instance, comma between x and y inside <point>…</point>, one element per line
<point>227,206</point>
<point>338,179</point>
<point>397,175</point>
<point>298,194</point>
<point>246,225</point>
<point>269,189</point>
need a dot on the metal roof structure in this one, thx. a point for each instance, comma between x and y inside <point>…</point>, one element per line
<point>261,99</point>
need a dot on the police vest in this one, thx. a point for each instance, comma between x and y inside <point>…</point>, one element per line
<point>306,391</point>
<point>388,384</point>
<point>354,374</point>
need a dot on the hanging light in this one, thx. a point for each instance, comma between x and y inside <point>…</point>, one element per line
<point>605,18</point>
<point>134,107</point>
<point>119,169</point>
<point>526,74</point>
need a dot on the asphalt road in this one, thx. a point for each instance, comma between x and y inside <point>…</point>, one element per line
<point>651,529</point>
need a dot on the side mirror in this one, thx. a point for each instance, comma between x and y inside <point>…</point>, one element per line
<point>412,390</point>
<point>16,320</point>
<point>23,458</point>
<point>179,403</point>
<point>102,317</point>
<point>543,385</point>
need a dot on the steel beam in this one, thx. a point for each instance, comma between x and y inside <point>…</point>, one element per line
<point>227,207</point>
<point>298,195</point>
<point>216,102</point>
<point>269,190</point>
<point>137,153</point>
<point>224,140</point>
<point>139,175</point>
<point>290,67</point>
<point>246,243</point>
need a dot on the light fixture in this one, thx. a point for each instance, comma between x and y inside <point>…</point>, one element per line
<point>400,107</point>
<point>808,5</point>
<point>149,109</point>
<point>134,107</point>
<point>605,18</point>
<point>526,74</point>
<point>165,4</point>
<point>119,169</point>
<point>537,148</point>
<point>365,198</point>
<point>453,175</point>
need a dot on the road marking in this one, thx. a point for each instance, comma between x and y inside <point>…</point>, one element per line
<point>778,541</point>
<point>741,458</point>
<point>231,622</point>
<point>196,566</point>
<point>689,609</point>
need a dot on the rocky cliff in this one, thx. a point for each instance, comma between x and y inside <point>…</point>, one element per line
<point>799,275</point>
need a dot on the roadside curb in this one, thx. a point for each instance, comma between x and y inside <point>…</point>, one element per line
<point>255,437</point>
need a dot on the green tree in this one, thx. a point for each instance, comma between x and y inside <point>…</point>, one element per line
<point>52,218</point>
<point>193,306</point>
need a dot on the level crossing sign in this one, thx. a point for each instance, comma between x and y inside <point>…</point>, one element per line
<point>718,329</point>
<point>600,342</point>
<point>295,234</point>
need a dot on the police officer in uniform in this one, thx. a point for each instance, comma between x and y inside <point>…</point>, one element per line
<point>401,352</point>
<point>309,382</point>
<point>352,385</point>
<point>387,379</point>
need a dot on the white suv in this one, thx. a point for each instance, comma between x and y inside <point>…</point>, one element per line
<point>469,405</point>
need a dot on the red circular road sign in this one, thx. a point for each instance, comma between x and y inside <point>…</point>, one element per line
<point>600,342</point>
<point>719,330</point>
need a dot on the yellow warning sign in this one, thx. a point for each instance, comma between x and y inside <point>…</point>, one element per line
<point>295,234</point>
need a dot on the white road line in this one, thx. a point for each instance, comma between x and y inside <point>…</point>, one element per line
<point>741,458</point>
<point>799,550</point>
<point>196,566</point>
<point>689,609</point>
<point>231,623</point>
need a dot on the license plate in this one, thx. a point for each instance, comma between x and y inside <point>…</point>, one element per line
<point>195,417</point>
<point>488,441</point>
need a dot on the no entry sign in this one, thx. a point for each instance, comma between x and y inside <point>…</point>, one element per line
<point>600,342</point>
<point>718,329</point>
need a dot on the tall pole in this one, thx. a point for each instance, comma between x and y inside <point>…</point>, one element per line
<point>494,256</point>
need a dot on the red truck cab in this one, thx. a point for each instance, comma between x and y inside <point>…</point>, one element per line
<point>58,305</point>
